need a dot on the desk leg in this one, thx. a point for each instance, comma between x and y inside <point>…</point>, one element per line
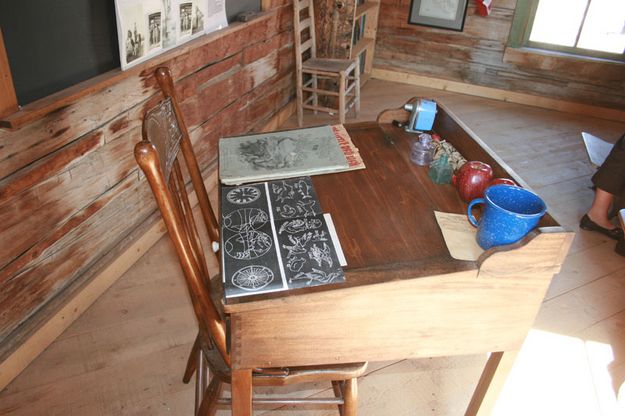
<point>241,392</point>
<point>491,382</point>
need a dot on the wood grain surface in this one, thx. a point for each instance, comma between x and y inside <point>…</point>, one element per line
<point>411,306</point>
<point>479,56</point>
<point>104,363</point>
<point>70,191</point>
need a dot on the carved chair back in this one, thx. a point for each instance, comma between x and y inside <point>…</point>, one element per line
<point>166,157</point>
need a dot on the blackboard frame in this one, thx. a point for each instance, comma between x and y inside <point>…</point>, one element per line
<point>16,75</point>
<point>40,108</point>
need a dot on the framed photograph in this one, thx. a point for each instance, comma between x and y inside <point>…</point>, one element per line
<point>444,14</point>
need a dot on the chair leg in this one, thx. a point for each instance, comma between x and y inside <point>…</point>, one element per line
<point>357,87</point>
<point>300,97</point>
<point>191,361</point>
<point>342,98</point>
<point>350,395</point>
<point>337,386</point>
<point>201,378</point>
<point>209,401</point>
<point>315,95</point>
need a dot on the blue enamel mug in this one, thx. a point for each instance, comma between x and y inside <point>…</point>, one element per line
<point>509,213</point>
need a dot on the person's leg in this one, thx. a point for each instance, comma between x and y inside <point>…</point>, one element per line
<point>597,217</point>
<point>609,180</point>
<point>598,212</point>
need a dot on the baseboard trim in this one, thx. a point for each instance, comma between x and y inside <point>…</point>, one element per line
<point>41,338</point>
<point>498,94</point>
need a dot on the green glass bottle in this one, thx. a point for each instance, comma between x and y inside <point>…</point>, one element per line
<point>440,170</point>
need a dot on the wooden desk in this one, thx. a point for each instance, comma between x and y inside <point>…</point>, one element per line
<point>404,297</point>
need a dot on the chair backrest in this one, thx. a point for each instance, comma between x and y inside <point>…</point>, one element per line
<point>304,31</point>
<point>166,157</point>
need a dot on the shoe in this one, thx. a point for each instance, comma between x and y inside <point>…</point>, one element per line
<point>587,224</point>
<point>619,248</point>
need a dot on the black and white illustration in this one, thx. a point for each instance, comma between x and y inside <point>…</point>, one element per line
<point>197,24</point>
<point>154,30</point>
<point>252,238</point>
<point>148,27</point>
<point>184,15</point>
<point>275,237</point>
<point>294,198</point>
<point>243,195</point>
<point>250,261</point>
<point>310,255</point>
<point>252,278</point>
<point>269,156</point>
<point>300,225</point>
<point>133,45</point>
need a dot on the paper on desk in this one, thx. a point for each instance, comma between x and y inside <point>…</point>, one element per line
<point>459,236</point>
<point>335,240</point>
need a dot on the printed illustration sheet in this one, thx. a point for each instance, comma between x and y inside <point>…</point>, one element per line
<point>275,237</point>
<point>286,154</point>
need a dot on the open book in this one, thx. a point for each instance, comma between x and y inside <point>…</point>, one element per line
<point>286,154</point>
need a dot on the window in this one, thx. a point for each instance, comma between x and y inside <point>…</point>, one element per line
<point>594,28</point>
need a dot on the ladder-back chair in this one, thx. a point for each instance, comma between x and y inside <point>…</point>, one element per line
<point>162,152</point>
<point>314,69</point>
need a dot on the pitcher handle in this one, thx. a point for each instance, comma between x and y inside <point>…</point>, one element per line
<point>476,201</point>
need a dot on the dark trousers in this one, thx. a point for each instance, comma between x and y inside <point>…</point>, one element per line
<point>611,175</point>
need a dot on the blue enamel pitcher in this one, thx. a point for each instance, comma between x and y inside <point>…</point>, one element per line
<point>509,213</point>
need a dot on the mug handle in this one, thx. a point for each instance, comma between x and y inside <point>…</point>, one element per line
<point>472,219</point>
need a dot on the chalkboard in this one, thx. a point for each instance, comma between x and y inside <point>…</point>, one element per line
<point>54,45</point>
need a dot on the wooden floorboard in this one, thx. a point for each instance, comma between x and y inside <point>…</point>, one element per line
<point>126,354</point>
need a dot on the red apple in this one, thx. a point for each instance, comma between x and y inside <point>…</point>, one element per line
<point>472,179</point>
<point>502,181</point>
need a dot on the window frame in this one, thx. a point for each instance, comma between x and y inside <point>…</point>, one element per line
<point>521,29</point>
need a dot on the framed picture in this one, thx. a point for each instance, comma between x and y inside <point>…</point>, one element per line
<point>444,14</point>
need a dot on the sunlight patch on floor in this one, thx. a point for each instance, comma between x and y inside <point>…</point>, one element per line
<point>561,375</point>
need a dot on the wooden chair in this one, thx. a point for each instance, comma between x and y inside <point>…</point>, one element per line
<point>308,65</point>
<point>162,152</point>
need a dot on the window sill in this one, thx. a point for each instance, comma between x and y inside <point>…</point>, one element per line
<point>551,60</point>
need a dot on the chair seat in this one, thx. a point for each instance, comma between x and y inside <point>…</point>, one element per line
<point>329,65</point>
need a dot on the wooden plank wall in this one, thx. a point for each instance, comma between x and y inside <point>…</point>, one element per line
<point>476,56</point>
<point>70,190</point>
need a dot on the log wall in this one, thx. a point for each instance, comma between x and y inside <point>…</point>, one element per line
<point>71,194</point>
<point>476,56</point>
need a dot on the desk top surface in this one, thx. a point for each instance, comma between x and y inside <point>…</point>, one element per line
<point>384,214</point>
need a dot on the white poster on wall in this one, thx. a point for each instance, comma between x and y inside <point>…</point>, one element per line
<point>215,15</point>
<point>170,26</point>
<point>147,28</point>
